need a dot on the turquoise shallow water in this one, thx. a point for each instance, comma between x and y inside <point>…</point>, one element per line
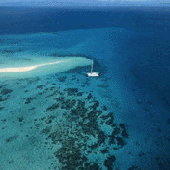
<point>69,121</point>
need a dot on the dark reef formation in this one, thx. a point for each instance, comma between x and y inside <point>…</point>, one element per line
<point>79,130</point>
<point>4,95</point>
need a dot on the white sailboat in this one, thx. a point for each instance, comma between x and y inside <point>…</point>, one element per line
<point>92,74</point>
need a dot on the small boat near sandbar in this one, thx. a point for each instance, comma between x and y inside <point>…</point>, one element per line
<point>92,74</point>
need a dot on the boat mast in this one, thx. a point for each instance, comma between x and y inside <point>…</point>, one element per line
<point>92,67</point>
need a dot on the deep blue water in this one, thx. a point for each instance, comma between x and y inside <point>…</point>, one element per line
<point>42,19</point>
<point>144,63</point>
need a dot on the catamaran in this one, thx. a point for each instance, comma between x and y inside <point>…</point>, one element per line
<point>92,74</point>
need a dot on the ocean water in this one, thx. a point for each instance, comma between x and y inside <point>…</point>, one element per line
<point>64,120</point>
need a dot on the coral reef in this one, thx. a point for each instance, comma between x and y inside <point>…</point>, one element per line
<point>79,130</point>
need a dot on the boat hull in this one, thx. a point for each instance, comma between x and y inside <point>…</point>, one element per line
<point>93,74</point>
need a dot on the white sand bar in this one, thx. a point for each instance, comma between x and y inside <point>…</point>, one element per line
<point>25,69</point>
<point>18,68</point>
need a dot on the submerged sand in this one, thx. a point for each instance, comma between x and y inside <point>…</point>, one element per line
<point>30,67</point>
<point>25,69</point>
